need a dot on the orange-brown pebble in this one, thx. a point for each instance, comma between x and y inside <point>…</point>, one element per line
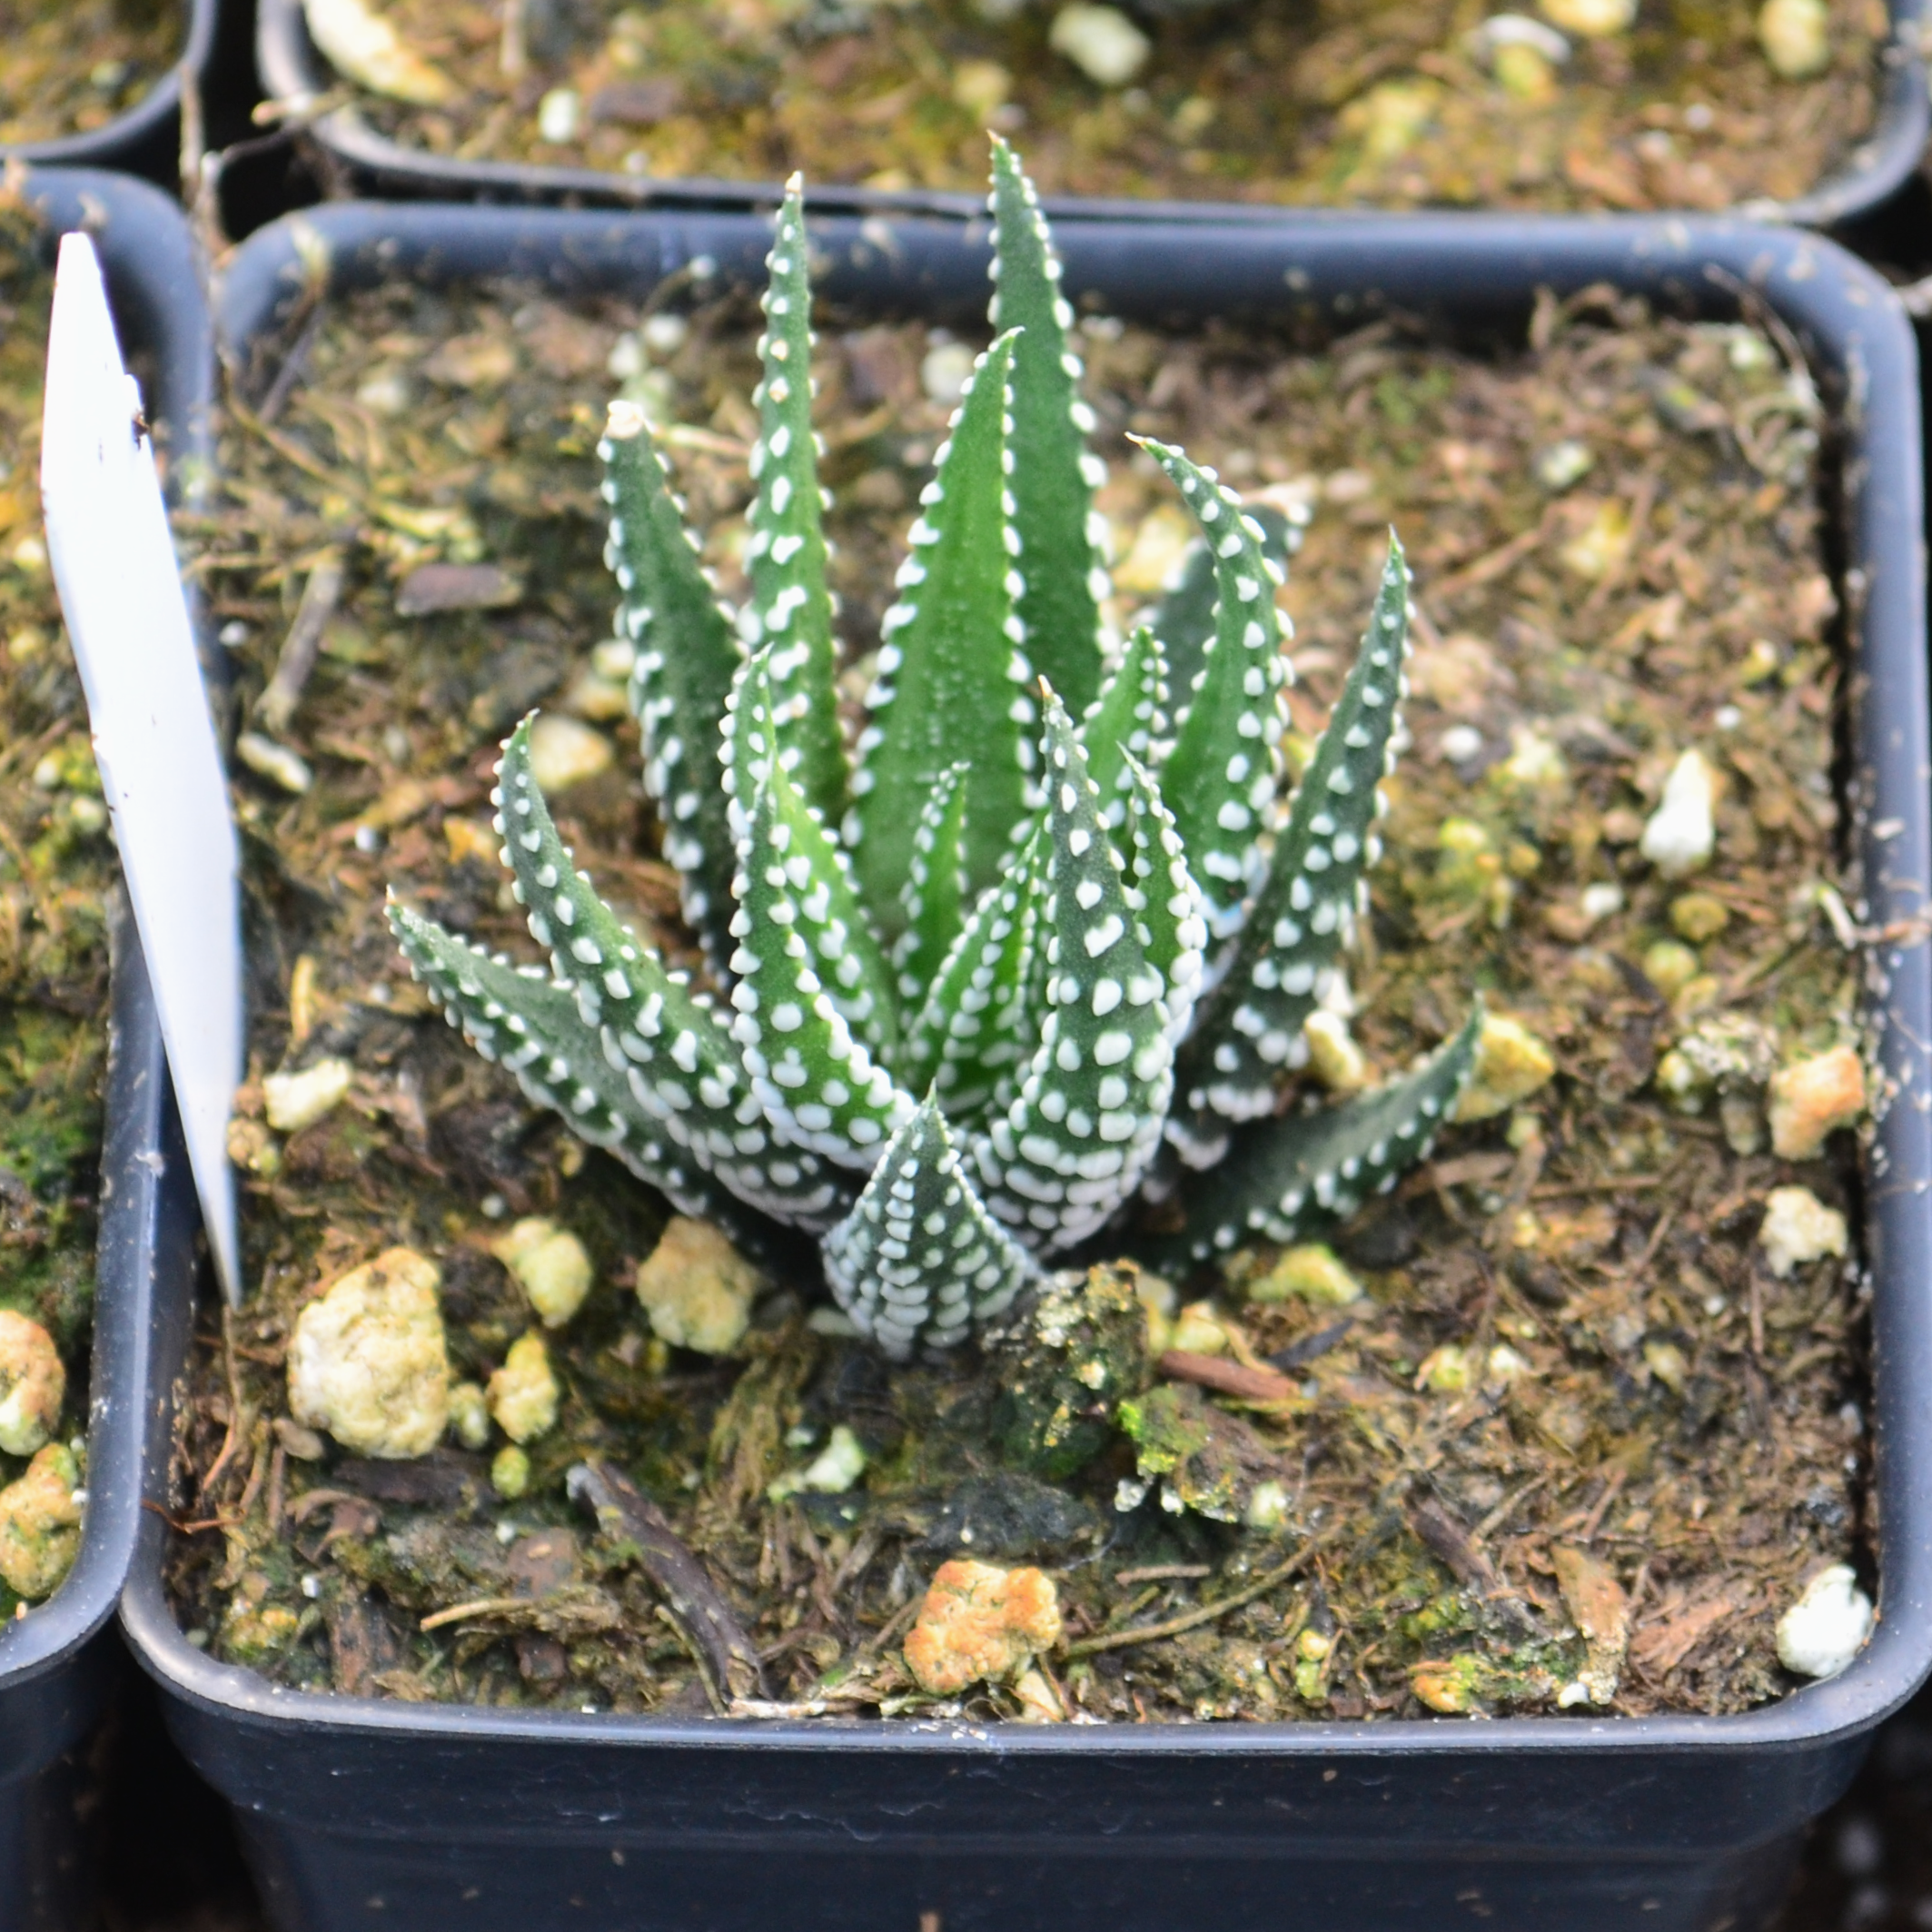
<point>1811,1097</point>
<point>981,1622</point>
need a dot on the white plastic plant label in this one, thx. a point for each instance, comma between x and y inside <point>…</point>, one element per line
<point>121,594</point>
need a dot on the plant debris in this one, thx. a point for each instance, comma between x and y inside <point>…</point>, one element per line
<point>74,65</point>
<point>57,871</point>
<point>1542,1429</point>
<point>1395,103</point>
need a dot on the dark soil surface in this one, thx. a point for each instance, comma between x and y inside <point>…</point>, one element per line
<point>72,67</point>
<point>1370,102</point>
<point>1571,1376</point>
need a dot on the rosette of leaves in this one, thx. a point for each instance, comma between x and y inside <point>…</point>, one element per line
<point>1043,930</point>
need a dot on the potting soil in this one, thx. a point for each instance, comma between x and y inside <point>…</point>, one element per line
<point>1383,103</point>
<point>56,869</point>
<point>71,68</point>
<point>1566,1422</point>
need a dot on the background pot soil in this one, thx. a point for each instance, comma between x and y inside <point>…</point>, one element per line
<point>71,67</point>
<point>56,867</point>
<point>1367,101</point>
<point>1689,1423</point>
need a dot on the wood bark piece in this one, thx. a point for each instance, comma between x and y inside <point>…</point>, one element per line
<point>1226,1378</point>
<point>625,1514</point>
<point>320,595</point>
<point>1452,1542</point>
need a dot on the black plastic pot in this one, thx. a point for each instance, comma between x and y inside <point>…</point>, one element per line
<point>359,1813</point>
<point>290,68</point>
<point>146,139</point>
<point>58,1662</point>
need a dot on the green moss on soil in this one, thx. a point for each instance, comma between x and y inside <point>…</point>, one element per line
<point>56,869</point>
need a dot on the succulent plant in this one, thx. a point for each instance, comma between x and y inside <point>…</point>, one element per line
<point>1040,941</point>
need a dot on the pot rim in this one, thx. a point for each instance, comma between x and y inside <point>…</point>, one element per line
<point>1857,335</point>
<point>291,69</point>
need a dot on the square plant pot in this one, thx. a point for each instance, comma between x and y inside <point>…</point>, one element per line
<point>58,1661</point>
<point>359,1813</point>
<point>146,139</point>
<point>291,69</point>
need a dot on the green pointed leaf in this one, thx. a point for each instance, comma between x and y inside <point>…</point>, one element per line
<point>670,1043</point>
<point>790,608</point>
<point>1127,719</point>
<point>843,951</point>
<point>1169,911</point>
<point>802,951</point>
<point>1284,1178</point>
<point>976,1027</point>
<point>1053,474</point>
<point>1184,620</point>
<point>687,656</point>
<point>952,680</point>
<point>1252,1028</point>
<point>528,1023</point>
<point>1076,1141</point>
<point>1219,779</point>
<point>934,897</point>
<point>918,1259</point>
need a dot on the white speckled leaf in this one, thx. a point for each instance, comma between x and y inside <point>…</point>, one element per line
<point>1281,1178</point>
<point>1252,1028</point>
<point>672,1048</point>
<point>529,1024</point>
<point>1169,916</point>
<point>919,1261</point>
<point>1221,777</point>
<point>976,1028</point>
<point>687,655</point>
<point>1054,475</point>
<point>1130,715</point>
<point>1076,1139</point>
<point>789,607</point>
<point>952,679</point>
<point>934,897</point>
<point>843,950</point>
<point>799,935</point>
<point>1184,620</point>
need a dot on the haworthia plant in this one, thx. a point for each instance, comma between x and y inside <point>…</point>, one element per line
<point>976,969</point>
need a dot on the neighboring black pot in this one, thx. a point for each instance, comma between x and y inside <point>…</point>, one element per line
<point>57,1662</point>
<point>359,1813</point>
<point>290,68</point>
<point>146,139</point>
